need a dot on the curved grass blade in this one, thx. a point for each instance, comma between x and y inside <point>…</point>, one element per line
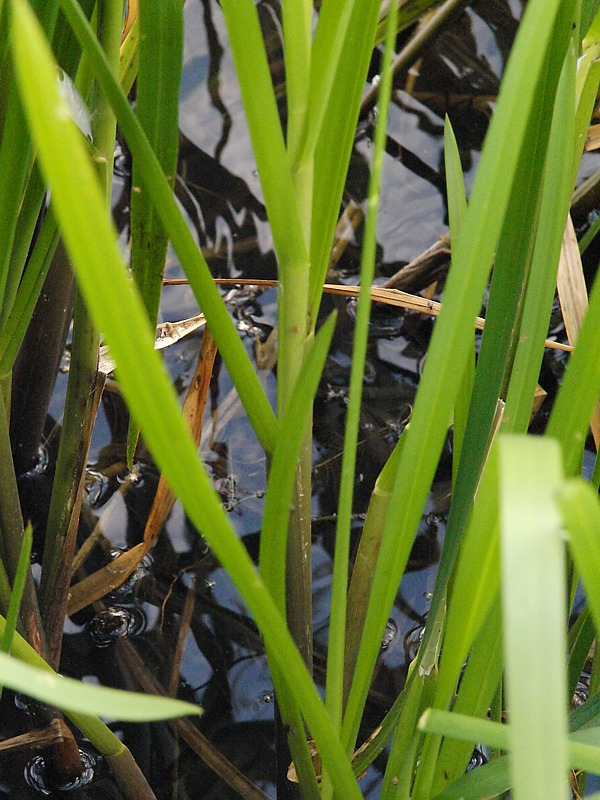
<point>72,695</point>
<point>495,734</point>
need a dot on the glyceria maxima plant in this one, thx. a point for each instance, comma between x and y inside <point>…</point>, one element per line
<point>487,585</point>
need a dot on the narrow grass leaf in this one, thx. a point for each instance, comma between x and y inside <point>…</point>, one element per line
<point>497,735</point>
<point>336,667</point>
<point>282,472</point>
<point>478,684</point>
<point>581,514</point>
<point>475,583</point>
<point>555,199</point>
<point>262,117</point>
<point>457,210</point>
<point>338,126</point>
<point>464,289</point>
<point>533,599</point>
<point>72,695</point>
<point>23,566</point>
<point>157,108</point>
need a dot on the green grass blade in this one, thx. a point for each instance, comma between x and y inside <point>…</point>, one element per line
<point>334,691</point>
<point>478,684</point>
<point>556,196</point>
<point>284,205</point>
<point>29,290</point>
<point>474,590</point>
<point>228,341</point>
<point>475,583</point>
<point>297,34</point>
<point>506,298</point>
<point>579,754</point>
<point>265,129</point>
<point>12,615</point>
<point>487,781</point>
<point>118,310</point>
<point>334,144</point>
<point>157,108</point>
<point>72,695</point>
<point>365,561</point>
<point>457,210</point>
<point>581,513</point>
<point>534,612</point>
<point>282,472</point>
<point>453,329</point>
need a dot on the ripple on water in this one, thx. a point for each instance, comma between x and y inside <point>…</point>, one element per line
<point>36,775</point>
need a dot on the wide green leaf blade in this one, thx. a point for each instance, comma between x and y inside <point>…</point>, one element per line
<point>534,612</point>
<point>72,695</point>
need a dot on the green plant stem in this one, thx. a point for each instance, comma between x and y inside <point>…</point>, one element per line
<point>24,236</point>
<point>336,668</point>
<point>11,530</point>
<point>84,385</point>
<point>36,363</point>
<point>83,394</point>
<point>30,287</point>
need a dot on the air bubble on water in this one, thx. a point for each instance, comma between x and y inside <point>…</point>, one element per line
<point>65,362</point>
<point>96,486</point>
<point>42,460</point>
<point>135,477</point>
<point>479,757</point>
<point>127,591</point>
<point>268,696</point>
<point>412,642</point>
<point>116,622</point>
<point>389,634</point>
<point>36,777</point>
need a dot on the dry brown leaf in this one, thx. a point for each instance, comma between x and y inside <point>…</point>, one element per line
<point>104,580</point>
<point>390,297</point>
<point>592,141</point>
<point>572,294</point>
<point>39,738</point>
<point>116,573</point>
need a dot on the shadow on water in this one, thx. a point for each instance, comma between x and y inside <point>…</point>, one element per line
<point>133,638</point>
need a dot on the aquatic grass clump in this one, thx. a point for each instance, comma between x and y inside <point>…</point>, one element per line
<point>503,557</point>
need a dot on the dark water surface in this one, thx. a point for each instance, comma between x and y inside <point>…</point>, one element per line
<point>223,667</point>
